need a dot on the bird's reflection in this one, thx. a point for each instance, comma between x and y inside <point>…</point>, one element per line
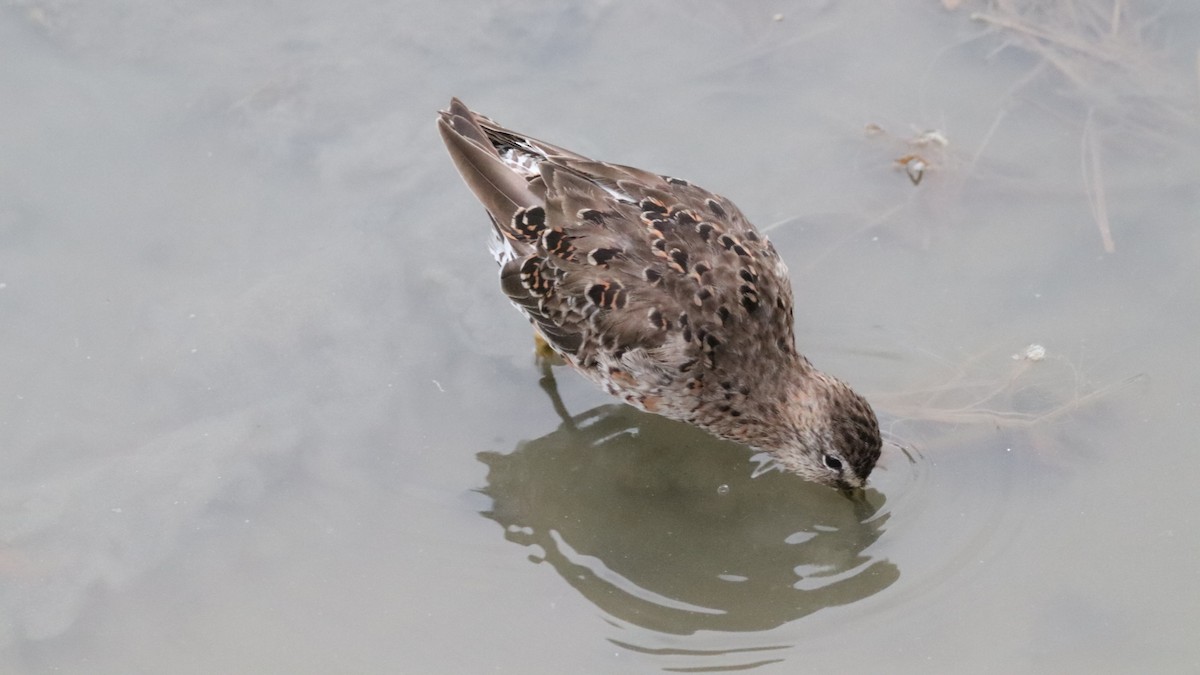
<point>662,526</point>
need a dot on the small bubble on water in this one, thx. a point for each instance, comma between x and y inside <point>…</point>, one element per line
<point>722,489</point>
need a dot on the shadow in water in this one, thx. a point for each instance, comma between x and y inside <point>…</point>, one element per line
<point>661,526</point>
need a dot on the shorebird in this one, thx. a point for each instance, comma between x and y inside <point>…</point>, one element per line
<point>662,293</point>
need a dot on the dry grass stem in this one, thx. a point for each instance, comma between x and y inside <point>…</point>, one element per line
<point>1093,184</point>
<point>1097,46</point>
<point>1062,40</point>
<point>964,400</point>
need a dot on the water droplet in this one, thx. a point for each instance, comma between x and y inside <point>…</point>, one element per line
<point>722,489</point>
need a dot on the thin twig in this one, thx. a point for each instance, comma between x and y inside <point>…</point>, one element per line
<point>1033,31</point>
<point>1093,183</point>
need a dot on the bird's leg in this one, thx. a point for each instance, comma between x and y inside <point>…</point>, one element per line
<point>543,351</point>
<point>550,386</point>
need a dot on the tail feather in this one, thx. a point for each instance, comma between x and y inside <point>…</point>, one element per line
<point>501,190</point>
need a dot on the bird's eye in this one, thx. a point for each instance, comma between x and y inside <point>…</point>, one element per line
<point>833,462</point>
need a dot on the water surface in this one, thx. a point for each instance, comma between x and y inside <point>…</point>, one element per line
<point>264,409</point>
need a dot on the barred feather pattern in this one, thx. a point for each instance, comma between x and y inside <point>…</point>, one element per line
<point>662,293</point>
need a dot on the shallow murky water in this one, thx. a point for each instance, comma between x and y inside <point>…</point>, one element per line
<point>263,408</point>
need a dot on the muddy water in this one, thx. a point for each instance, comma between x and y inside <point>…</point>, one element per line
<point>263,408</point>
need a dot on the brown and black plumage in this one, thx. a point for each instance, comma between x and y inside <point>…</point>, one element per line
<point>662,293</point>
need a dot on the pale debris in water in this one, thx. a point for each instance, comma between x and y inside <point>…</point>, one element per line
<point>929,137</point>
<point>915,165</point>
<point>1033,352</point>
